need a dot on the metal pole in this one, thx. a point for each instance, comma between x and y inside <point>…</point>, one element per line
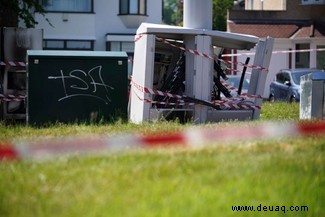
<point>198,14</point>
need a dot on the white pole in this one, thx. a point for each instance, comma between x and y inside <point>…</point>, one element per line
<point>198,14</point>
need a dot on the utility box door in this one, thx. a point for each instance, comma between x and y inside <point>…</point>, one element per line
<point>76,86</point>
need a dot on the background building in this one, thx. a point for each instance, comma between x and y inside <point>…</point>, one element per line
<point>294,24</point>
<point>99,25</point>
<point>95,25</point>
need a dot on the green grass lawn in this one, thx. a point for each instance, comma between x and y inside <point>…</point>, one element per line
<point>279,111</point>
<point>169,182</point>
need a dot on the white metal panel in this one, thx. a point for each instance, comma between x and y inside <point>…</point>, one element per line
<point>219,38</point>
<point>189,41</point>
<point>142,74</point>
<point>203,77</point>
<point>312,97</point>
<point>258,77</point>
<point>232,40</point>
<point>152,28</point>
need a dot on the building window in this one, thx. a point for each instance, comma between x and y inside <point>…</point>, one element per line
<point>77,6</point>
<point>137,7</point>
<point>126,46</point>
<point>266,5</point>
<point>50,44</point>
<point>321,57</point>
<point>121,46</point>
<point>302,59</point>
<point>313,2</point>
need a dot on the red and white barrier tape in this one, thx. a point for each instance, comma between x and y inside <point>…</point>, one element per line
<point>233,103</point>
<point>198,53</point>
<point>224,105</point>
<point>44,149</point>
<point>237,105</point>
<point>138,37</point>
<point>161,93</point>
<point>12,63</point>
<point>229,87</point>
<point>164,103</point>
<point>153,91</point>
<point>11,98</point>
<point>274,52</point>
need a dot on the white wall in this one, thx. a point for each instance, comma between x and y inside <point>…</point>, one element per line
<point>313,55</point>
<point>76,26</point>
<point>108,21</point>
<point>278,61</point>
<point>94,26</point>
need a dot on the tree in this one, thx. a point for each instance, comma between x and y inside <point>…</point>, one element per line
<point>220,8</point>
<point>13,10</point>
<point>173,13</point>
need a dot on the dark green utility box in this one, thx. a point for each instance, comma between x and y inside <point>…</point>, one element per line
<point>76,86</point>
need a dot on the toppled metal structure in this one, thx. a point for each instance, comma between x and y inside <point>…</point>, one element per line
<point>178,71</point>
<point>165,52</point>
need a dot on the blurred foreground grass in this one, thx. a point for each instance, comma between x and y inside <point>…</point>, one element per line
<point>170,182</point>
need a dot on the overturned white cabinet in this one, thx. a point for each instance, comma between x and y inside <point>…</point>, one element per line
<point>162,49</point>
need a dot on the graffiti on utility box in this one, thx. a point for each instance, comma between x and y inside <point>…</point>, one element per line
<point>80,83</point>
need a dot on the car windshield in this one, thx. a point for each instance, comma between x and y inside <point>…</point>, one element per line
<point>296,76</point>
<point>234,81</point>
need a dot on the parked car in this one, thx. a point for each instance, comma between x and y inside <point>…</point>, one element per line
<point>286,86</point>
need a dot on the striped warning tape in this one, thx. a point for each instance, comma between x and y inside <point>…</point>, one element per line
<point>11,98</point>
<point>275,52</point>
<point>238,106</point>
<point>229,87</point>
<point>233,103</point>
<point>243,96</point>
<point>138,37</point>
<point>179,103</point>
<point>154,91</point>
<point>198,53</point>
<point>12,63</point>
<point>195,137</point>
<point>223,105</point>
